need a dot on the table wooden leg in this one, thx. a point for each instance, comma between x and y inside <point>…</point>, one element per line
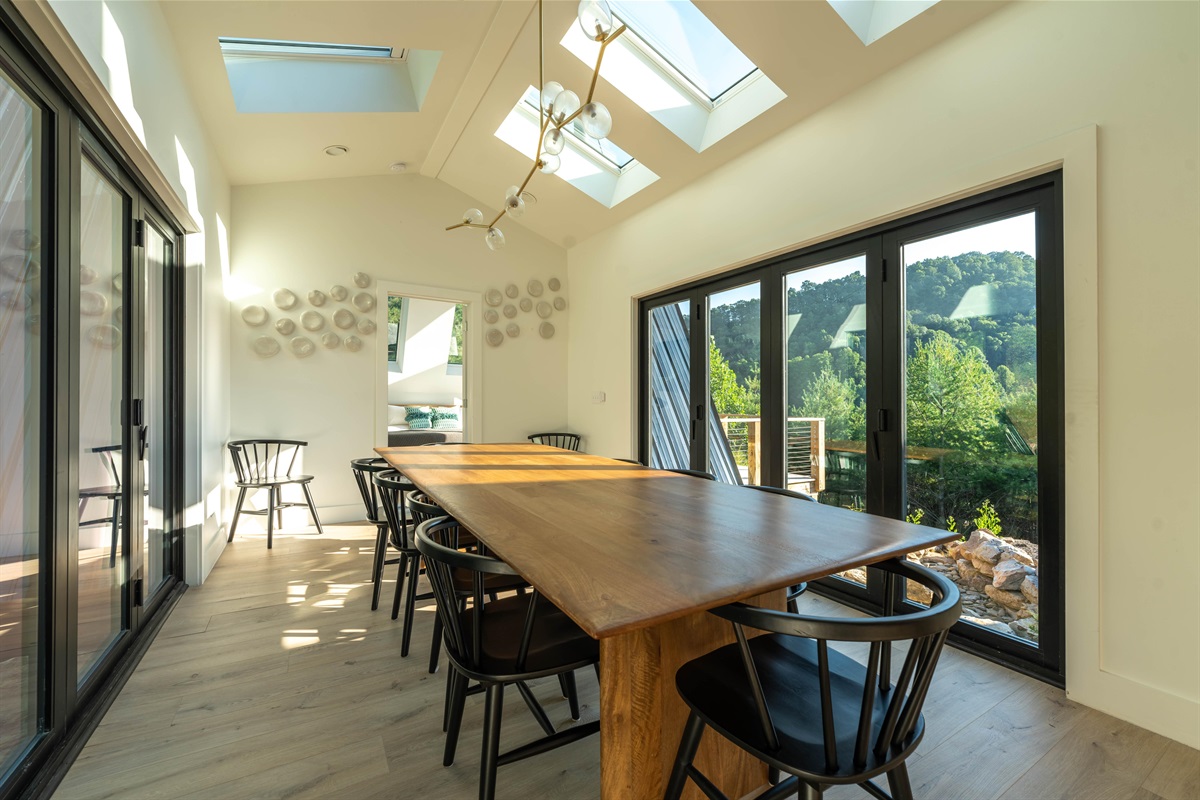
<point>642,717</point>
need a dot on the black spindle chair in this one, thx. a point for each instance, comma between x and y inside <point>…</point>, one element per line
<point>506,641</point>
<point>364,469</point>
<point>111,492</point>
<point>792,701</point>
<point>567,441</point>
<point>694,473</point>
<point>266,464</point>
<point>392,487</point>
<point>796,589</point>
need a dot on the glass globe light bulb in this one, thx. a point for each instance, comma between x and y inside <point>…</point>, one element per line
<point>550,163</point>
<point>512,192</point>
<point>595,18</point>
<point>597,121</point>
<point>566,104</point>
<point>554,141</point>
<point>514,206</point>
<point>494,239</point>
<point>551,90</point>
<point>473,216</point>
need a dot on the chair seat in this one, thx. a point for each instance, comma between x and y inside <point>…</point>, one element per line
<point>556,644</point>
<point>280,481</point>
<point>491,583</point>
<point>715,687</point>
<point>101,491</point>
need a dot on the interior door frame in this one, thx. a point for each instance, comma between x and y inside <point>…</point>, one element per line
<point>473,390</point>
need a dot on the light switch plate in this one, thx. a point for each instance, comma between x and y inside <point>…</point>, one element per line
<point>597,397</point>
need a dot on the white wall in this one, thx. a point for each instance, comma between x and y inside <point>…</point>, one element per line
<point>311,235</point>
<point>1020,90</point>
<point>428,325</point>
<point>128,46</point>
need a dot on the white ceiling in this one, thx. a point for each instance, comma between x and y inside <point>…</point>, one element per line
<point>489,56</point>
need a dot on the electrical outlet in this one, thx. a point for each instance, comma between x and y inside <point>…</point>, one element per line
<point>597,397</point>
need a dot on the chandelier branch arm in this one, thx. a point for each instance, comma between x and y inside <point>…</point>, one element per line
<point>599,59</point>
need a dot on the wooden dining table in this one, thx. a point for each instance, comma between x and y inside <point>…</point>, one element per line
<point>636,556</point>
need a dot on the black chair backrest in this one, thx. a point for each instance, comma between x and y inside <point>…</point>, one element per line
<point>782,492</point>
<point>438,541</point>
<point>629,461</point>
<point>110,456</point>
<point>264,460</point>
<point>392,486</point>
<point>695,473</point>
<point>567,441</point>
<point>926,631</point>
<point>363,469</point>
<point>422,507</point>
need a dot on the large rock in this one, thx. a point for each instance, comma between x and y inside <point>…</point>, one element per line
<point>1025,628</point>
<point>966,569</point>
<point>1001,597</point>
<point>1016,554</point>
<point>1029,588</point>
<point>991,624</point>
<point>918,593</point>
<point>983,565</point>
<point>1008,574</point>
<point>977,540</point>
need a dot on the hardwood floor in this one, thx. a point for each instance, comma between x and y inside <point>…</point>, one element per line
<point>275,680</point>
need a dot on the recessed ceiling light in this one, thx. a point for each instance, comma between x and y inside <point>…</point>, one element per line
<point>336,150</point>
<point>399,166</point>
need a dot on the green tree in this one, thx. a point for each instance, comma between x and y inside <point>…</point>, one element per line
<point>729,396</point>
<point>953,397</point>
<point>830,397</point>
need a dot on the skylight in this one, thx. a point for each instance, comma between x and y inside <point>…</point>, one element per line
<point>677,66</point>
<point>275,76</point>
<point>871,20</point>
<point>683,37</point>
<point>599,169</point>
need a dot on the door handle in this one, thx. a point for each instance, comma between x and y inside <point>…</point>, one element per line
<point>143,440</point>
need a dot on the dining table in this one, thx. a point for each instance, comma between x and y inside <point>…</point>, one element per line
<point>636,557</point>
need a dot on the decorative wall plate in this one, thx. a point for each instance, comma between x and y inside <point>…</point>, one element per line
<point>106,336</point>
<point>254,315</point>
<point>265,346</point>
<point>513,330</point>
<point>316,297</point>
<point>554,284</point>
<point>490,316</point>
<point>331,340</point>
<point>118,282</point>
<point>362,280</point>
<point>312,320</point>
<point>560,303</point>
<point>118,314</point>
<point>493,297</point>
<point>34,323</point>
<point>338,292</point>
<point>364,301</point>
<point>19,300</point>
<point>87,275</point>
<point>366,326</point>
<point>534,287</point>
<point>546,330</point>
<point>511,290</point>
<point>21,268</point>
<point>526,304</point>
<point>494,337</point>
<point>353,344</point>
<point>544,310</point>
<point>302,346</point>
<point>24,240</point>
<point>284,299</point>
<point>510,310</point>
<point>343,318</point>
<point>285,326</point>
<point>92,304</point>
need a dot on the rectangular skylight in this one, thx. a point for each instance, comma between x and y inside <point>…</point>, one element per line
<point>871,20</point>
<point>278,47</point>
<point>599,169</point>
<point>601,147</point>
<point>683,37</point>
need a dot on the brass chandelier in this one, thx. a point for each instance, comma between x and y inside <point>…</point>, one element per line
<point>557,108</point>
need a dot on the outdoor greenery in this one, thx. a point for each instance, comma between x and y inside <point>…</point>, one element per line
<point>971,380</point>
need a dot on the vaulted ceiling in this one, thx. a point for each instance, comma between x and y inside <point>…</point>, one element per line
<point>489,56</point>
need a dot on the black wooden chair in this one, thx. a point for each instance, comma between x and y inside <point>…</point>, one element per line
<point>567,441</point>
<point>392,487</point>
<point>695,473</point>
<point>496,643</point>
<point>265,464</point>
<point>792,701</point>
<point>110,492</point>
<point>364,469</point>
<point>796,589</point>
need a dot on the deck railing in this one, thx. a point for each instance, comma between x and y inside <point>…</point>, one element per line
<point>805,449</point>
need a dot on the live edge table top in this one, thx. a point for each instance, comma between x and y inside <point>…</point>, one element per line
<point>620,547</point>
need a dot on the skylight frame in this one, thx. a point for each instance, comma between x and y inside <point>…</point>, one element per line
<point>292,49</point>
<point>591,148</point>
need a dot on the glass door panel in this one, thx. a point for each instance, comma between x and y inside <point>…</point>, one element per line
<point>670,375</point>
<point>21,422</point>
<point>971,457</point>
<point>734,384</point>
<point>155,543</point>
<point>826,384</point>
<point>102,500</point>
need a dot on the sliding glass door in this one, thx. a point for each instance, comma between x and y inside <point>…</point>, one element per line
<point>912,371</point>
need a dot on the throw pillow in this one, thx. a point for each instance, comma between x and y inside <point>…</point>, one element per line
<point>418,418</point>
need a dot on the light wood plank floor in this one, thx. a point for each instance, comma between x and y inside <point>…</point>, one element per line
<point>275,679</point>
